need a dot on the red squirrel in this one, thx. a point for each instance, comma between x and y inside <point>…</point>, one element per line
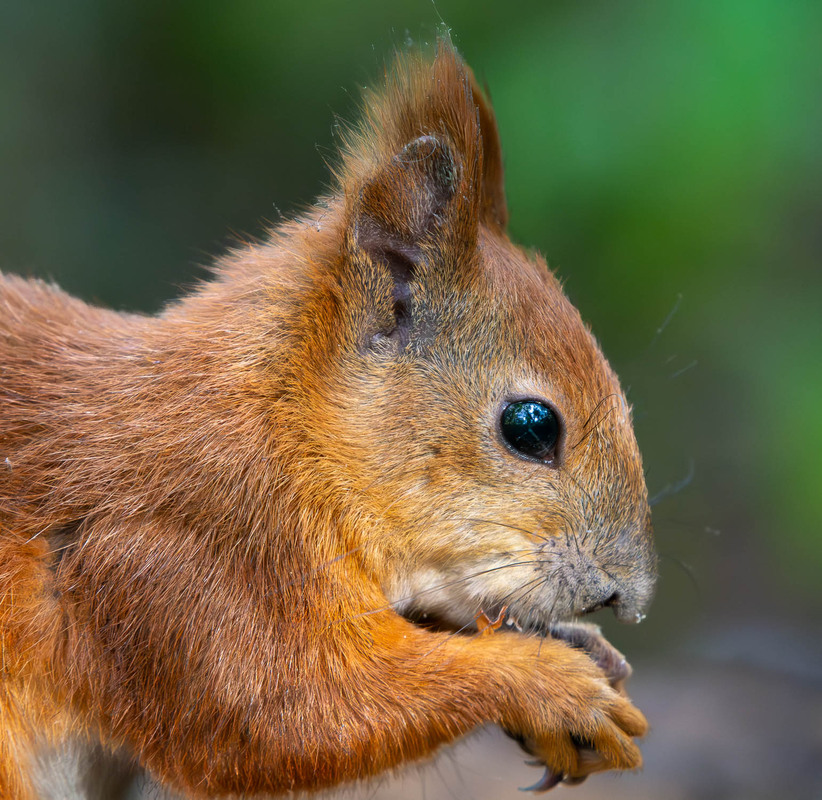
<point>249,540</point>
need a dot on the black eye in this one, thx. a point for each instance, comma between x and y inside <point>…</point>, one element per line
<point>531,428</point>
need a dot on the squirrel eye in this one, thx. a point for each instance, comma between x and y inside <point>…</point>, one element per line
<point>531,428</point>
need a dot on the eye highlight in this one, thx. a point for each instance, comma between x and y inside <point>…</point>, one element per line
<point>531,428</point>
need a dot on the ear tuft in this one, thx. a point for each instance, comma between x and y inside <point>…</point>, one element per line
<point>427,108</point>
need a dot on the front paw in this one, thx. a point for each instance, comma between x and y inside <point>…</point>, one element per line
<point>591,726</point>
<point>582,636</point>
<point>600,738</point>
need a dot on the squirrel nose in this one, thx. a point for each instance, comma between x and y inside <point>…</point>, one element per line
<point>625,607</point>
<point>606,596</point>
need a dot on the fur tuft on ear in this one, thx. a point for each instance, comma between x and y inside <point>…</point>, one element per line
<point>429,137</point>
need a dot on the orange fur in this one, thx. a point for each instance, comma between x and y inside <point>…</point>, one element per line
<point>217,525</point>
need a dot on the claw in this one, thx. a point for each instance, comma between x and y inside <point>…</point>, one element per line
<point>486,624</point>
<point>548,781</point>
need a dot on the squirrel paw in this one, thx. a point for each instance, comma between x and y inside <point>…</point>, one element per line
<point>597,733</point>
<point>570,758</point>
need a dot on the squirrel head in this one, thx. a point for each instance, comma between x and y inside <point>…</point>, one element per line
<point>458,407</point>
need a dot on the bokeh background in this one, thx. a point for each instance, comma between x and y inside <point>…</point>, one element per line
<point>664,156</point>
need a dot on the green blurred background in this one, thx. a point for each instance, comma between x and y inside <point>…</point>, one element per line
<point>664,156</point>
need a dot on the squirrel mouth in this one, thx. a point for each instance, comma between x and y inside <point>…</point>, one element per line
<point>490,619</point>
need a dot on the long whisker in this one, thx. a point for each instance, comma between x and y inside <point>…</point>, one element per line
<point>674,488</point>
<point>686,568</point>
<point>586,431</point>
<point>313,573</point>
<point>533,583</point>
<point>596,408</point>
<point>550,612</point>
<point>501,524</point>
<point>665,322</point>
<point>581,488</point>
<point>503,601</point>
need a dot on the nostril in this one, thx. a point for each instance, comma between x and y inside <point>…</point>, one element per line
<point>612,600</point>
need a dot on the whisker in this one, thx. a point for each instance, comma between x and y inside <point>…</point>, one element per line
<point>509,596</point>
<point>676,487</point>
<point>665,322</point>
<point>596,408</point>
<point>468,624</point>
<point>682,370</point>
<point>586,431</point>
<point>310,574</point>
<point>593,428</point>
<point>686,568</point>
<point>581,488</point>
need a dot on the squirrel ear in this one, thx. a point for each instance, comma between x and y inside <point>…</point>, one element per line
<point>424,169</point>
<point>421,99</point>
<point>403,206</point>
<point>407,198</point>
